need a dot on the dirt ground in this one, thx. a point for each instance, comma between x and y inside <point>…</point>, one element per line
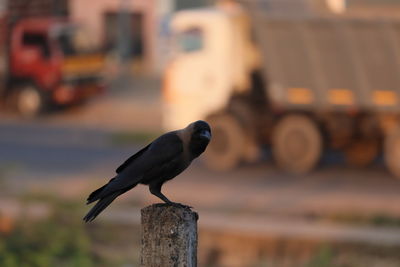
<point>72,153</point>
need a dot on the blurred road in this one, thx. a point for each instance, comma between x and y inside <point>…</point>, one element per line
<point>129,104</point>
<point>73,152</point>
<point>41,151</point>
<point>74,160</point>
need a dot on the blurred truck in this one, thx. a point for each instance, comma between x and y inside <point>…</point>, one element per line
<point>45,60</point>
<point>301,85</point>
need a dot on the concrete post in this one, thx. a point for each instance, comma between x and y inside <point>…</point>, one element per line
<point>169,236</point>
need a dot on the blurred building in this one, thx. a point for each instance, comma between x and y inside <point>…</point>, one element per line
<point>132,30</point>
<point>137,30</point>
<point>364,7</point>
<point>24,8</point>
<point>301,7</point>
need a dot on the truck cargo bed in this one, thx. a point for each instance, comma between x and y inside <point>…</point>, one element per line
<point>331,62</point>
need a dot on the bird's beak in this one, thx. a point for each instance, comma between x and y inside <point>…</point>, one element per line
<point>206,134</point>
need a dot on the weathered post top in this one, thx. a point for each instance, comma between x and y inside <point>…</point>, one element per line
<point>169,236</point>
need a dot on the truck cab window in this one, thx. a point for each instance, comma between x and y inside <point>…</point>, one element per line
<point>72,40</point>
<point>38,40</point>
<point>191,40</point>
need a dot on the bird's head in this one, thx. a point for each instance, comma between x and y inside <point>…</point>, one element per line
<point>201,130</point>
<point>200,136</point>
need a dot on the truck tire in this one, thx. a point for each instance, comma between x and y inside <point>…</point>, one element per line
<point>391,152</point>
<point>244,113</point>
<point>296,144</point>
<point>28,101</point>
<point>226,147</point>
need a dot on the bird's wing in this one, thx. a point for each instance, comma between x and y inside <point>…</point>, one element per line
<point>163,150</point>
<point>131,159</point>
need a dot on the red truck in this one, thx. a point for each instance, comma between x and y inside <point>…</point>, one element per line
<point>45,60</point>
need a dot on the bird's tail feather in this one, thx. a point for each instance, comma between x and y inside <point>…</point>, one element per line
<point>100,206</point>
<point>95,194</point>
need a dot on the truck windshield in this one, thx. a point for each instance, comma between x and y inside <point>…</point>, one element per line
<point>73,40</point>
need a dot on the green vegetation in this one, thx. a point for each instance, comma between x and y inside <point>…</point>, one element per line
<point>323,258</point>
<point>383,220</point>
<point>58,240</point>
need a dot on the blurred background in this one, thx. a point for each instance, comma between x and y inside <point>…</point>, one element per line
<point>302,96</point>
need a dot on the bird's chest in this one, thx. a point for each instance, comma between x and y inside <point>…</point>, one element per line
<point>175,168</point>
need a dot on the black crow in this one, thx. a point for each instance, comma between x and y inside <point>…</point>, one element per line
<point>158,162</point>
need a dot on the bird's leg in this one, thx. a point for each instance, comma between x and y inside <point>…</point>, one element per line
<point>155,189</point>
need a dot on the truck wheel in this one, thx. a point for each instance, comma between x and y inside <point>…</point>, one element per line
<point>226,147</point>
<point>243,112</point>
<point>362,153</point>
<point>296,144</point>
<point>28,101</point>
<point>391,151</point>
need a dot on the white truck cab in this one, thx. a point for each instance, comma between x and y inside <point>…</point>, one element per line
<point>212,58</point>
